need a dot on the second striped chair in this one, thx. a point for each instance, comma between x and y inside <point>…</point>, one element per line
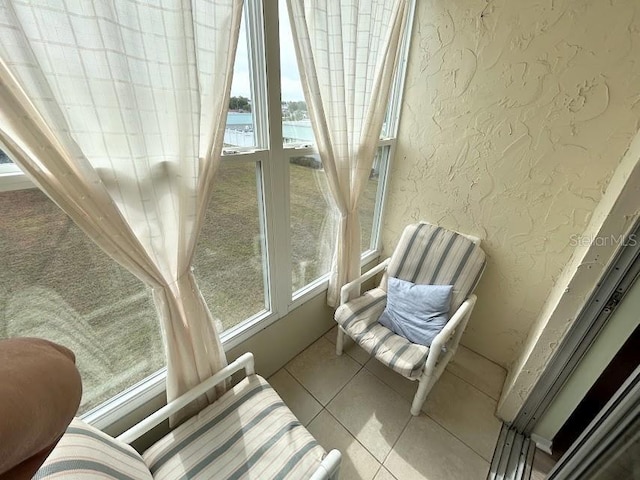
<point>425,255</point>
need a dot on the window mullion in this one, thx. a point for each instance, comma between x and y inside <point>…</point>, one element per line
<point>397,89</point>
<point>257,59</point>
<point>391,129</point>
<point>381,196</point>
<point>277,170</point>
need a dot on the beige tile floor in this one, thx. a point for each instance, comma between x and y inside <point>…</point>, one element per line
<point>357,405</point>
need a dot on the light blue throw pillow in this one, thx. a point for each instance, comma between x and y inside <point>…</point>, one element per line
<point>416,312</point>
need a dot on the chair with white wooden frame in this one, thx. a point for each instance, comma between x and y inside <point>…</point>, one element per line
<point>425,254</point>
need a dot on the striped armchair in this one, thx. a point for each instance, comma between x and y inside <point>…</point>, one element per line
<point>427,255</point>
<point>247,433</point>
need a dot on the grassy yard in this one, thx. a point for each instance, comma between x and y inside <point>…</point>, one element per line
<point>54,283</point>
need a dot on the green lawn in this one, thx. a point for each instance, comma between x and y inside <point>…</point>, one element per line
<point>54,283</point>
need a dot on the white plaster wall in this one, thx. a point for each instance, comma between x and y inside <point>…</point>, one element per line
<point>515,115</point>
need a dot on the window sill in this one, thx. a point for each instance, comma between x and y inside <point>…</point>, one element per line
<point>106,415</point>
<point>13,179</point>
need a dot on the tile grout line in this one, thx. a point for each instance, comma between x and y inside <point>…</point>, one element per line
<point>307,391</point>
<point>471,384</point>
<point>361,367</point>
<point>446,368</point>
<point>345,351</point>
<point>343,387</point>
<point>457,437</point>
<point>354,437</point>
<point>388,384</point>
<point>347,429</point>
<point>303,387</point>
<point>339,390</point>
<point>426,414</point>
<point>322,407</point>
<point>482,356</point>
<point>397,440</point>
<point>377,471</point>
<point>313,418</point>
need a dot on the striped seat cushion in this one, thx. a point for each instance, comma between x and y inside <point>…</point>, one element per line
<point>430,255</point>
<point>359,318</point>
<point>85,452</point>
<point>248,433</point>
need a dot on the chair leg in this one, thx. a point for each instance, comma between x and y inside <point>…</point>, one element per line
<point>424,387</point>
<point>339,341</point>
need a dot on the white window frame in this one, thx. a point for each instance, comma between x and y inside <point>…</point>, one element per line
<point>262,22</point>
<point>12,178</point>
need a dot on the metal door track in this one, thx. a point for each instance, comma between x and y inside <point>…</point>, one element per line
<point>513,456</point>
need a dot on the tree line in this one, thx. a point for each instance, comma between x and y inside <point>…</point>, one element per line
<point>240,104</point>
<point>292,110</point>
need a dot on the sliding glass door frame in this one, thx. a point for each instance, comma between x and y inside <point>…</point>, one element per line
<point>615,428</point>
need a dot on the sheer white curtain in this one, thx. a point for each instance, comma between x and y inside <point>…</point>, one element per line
<point>347,53</point>
<point>117,110</point>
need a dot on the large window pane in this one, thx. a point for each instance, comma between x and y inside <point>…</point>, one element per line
<point>296,126</point>
<point>57,284</point>
<point>229,263</point>
<point>313,221</point>
<point>367,208</point>
<point>369,199</point>
<point>241,127</point>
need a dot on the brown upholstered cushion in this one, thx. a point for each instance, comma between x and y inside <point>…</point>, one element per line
<point>40,391</point>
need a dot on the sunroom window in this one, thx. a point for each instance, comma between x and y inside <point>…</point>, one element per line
<point>265,247</point>
<point>313,216</point>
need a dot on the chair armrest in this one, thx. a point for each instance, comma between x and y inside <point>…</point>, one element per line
<point>458,318</point>
<point>245,362</point>
<point>329,467</point>
<point>344,291</point>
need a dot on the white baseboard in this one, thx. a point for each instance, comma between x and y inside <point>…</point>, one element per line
<point>542,443</point>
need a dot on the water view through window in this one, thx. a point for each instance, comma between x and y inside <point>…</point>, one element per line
<point>240,129</point>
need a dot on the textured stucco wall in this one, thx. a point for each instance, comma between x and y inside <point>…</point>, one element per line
<point>515,115</point>
<point>613,219</point>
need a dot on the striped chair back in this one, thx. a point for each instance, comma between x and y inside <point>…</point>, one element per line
<point>431,255</point>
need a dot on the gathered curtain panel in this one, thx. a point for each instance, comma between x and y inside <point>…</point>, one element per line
<point>117,110</point>
<point>347,53</point>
